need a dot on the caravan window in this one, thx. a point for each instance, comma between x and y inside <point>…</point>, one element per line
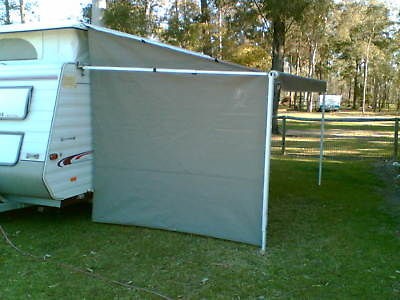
<point>14,102</point>
<point>10,148</point>
<point>16,49</point>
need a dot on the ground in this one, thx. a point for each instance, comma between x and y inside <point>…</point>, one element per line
<point>343,140</point>
<point>337,241</point>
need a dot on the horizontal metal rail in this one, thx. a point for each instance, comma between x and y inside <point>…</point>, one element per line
<point>286,81</point>
<point>339,119</point>
<point>173,71</point>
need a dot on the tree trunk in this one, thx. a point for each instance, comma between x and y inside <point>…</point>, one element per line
<point>22,10</point>
<point>365,77</point>
<point>298,58</point>
<point>375,101</point>
<point>366,70</point>
<point>294,102</point>
<point>386,92</point>
<point>278,51</point>
<point>365,86</point>
<point>355,92</point>
<point>351,80</point>
<point>311,71</point>
<point>398,102</point>
<point>297,71</point>
<point>205,19</point>
<point>300,102</point>
<point>177,8</point>
<point>220,55</point>
<point>310,102</point>
<point>7,8</point>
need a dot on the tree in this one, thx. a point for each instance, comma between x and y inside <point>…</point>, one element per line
<point>132,16</point>
<point>22,10</point>
<point>11,8</point>
<point>280,14</point>
<point>349,43</point>
<point>7,9</point>
<point>360,29</point>
<point>313,25</point>
<point>240,34</point>
<point>205,21</point>
<point>376,20</point>
<point>184,28</point>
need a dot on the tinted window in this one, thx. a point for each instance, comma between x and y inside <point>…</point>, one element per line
<point>16,49</point>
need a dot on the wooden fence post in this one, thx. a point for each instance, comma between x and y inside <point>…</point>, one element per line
<point>283,146</point>
<point>396,139</point>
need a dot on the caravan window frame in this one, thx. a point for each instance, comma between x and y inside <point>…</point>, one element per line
<point>25,110</point>
<point>18,150</point>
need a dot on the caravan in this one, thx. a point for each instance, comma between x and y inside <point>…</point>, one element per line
<point>332,102</point>
<point>45,131</point>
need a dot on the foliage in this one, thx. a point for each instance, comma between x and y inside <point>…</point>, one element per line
<point>11,10</point>
<point>8,6</point>
<point>184,29</point>
<point>136,17</point>
<point>352,44</point>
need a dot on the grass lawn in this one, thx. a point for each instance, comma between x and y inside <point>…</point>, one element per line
<point>345,140</point>
<point>338,241</point>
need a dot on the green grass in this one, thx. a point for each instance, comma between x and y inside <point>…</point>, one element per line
<point>343,140</point>
<point>337,241</point>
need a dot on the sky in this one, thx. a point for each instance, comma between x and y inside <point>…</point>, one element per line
<point>61,10</point>
<point>395,7</point>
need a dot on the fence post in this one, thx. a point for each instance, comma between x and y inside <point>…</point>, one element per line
<point>396,139</point>
<point>283,146</point>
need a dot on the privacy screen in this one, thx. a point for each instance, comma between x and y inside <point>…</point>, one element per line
<point>177,152</point>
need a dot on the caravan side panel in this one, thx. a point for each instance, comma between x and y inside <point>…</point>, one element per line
<point>68,166</point>
<point>25,176</point>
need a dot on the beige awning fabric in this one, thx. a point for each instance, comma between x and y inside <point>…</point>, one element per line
<point>174,150</point>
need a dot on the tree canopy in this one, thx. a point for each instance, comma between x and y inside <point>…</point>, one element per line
<point>353,44</point>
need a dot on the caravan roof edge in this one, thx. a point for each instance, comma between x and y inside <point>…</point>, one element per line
<point>28,27</point>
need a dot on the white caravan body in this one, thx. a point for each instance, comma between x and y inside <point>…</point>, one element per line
<point>45,127</point>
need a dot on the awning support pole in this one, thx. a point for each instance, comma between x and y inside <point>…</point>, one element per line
<point>171,71</point>
<point>321,143</point>
<point>267,155</point>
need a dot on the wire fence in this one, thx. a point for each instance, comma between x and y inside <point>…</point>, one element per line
<point>344,138</point>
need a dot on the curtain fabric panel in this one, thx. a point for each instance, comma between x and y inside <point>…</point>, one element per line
<point>172,151</point>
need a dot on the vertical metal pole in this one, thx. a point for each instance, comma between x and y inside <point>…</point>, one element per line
<point>283,135</point>
<point>267,154</point>
<point>396,139</point>
<point>321,143</point>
